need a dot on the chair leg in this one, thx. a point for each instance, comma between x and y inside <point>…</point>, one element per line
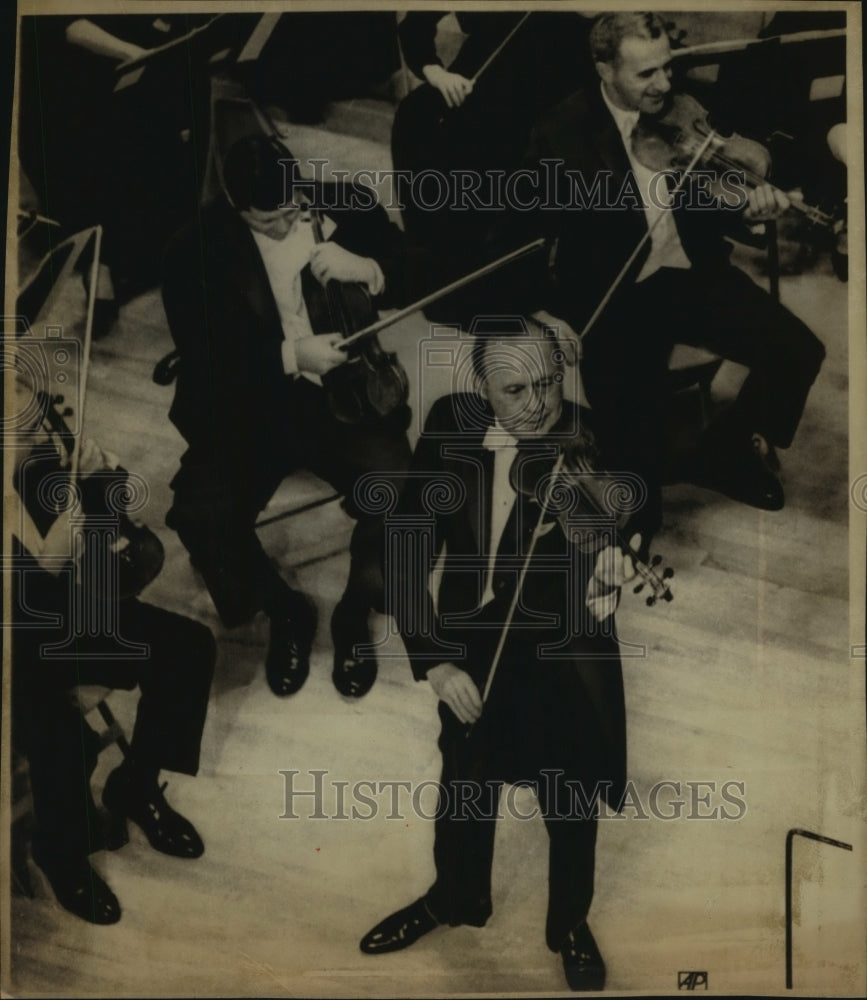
<point>114,733</point>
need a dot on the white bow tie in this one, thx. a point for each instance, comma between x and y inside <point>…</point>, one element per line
<point>496,437</point>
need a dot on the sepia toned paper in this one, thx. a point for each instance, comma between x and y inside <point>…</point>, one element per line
<point>745,695</point>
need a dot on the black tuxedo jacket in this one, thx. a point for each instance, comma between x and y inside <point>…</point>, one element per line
<point>231,393</point>
<point>581,138</point>
<point>446,507</point>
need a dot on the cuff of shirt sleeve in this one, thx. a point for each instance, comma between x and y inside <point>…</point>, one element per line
<point>290,362</point>
<point>376,284</point>
<point>602,602</point>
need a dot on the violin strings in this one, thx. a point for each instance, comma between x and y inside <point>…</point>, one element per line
<point>647,573</point>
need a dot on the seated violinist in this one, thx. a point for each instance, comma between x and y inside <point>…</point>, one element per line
<point>78,620</point>
<point>679,288</point>
<point>555,722</point>
<point>469,121</point>
<point>245,294</point>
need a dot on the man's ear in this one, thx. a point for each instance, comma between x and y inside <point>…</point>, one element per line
<point>481,387</point>
<point>605,71</point>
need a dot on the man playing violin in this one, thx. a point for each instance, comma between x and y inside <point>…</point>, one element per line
<point>77,619</point>
<point>470,120</point>
<point>243,290</point>
<point>554,715</point>
<point>680,288</point>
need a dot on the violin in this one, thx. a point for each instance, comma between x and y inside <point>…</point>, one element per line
<point>682,138</point>
<point>48,480</point>
<point>137,552</point>
<point>371,383</point>
<point>593,508</point>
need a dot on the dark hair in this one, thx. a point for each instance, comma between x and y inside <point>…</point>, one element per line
<point>609,30</point>
<point>489,329</point>
<point>258,172</point>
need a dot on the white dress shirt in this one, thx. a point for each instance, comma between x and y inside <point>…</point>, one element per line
<point>666,250</point>
<point>284,261</point>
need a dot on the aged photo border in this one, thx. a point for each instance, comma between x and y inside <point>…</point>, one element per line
<point>857,305</point>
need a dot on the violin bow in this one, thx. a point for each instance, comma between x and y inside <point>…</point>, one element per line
<point>440,293</point>
<point>742,44</point>
<point>129,71</point>
<point>513,604</point>
<point>499,48</point>
<point>85,360</point>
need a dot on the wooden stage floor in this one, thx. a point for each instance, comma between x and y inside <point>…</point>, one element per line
<point>747,677</point>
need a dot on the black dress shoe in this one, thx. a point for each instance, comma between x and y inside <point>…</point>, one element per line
<point>400,930</point>
<point>746,472</point>
<point>287,662</point>
<point>78,888</point>
<point>144,803</point>
<point>353,675</point>
<point>582,962</point>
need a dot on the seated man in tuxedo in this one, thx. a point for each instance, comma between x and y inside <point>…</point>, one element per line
<point>242,287</point>
<point>554,716</point>
<point>80,621</point>
<point>680,287</point>
<point>469,129</point>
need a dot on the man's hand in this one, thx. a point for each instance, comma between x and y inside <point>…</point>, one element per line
<point>319,354</point>
<point>765,203</point>
<point>92,458</point>
<point>458,690</point>
<point>452,86</point>
<point>613,569</point>
<point>329,260</point>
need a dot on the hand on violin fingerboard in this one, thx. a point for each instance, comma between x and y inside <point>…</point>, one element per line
<point>330,262</point>
<point>454,87</point>
<point>765,203</point>
<point>613,569</point>
<point>93,458</point>
<point>318,354</point>
<point>458,690</point>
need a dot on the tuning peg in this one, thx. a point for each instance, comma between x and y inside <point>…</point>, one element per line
<point>651,600</point>
<point>638,589</point>
<point>667,573</point>
<point>656,560</point>
<point>668,596</point>
<point>58,398</point>
<point>67,412</point>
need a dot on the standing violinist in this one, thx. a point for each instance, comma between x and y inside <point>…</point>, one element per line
<point>243,286</point>
<point>554,717</point>
<point>681,288</point>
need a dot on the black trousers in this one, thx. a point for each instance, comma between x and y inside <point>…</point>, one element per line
<point>446,162</point>
<point>626,360</point>
<point>535,729</point>
<point>216,506</point>
<point>174,677</point>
